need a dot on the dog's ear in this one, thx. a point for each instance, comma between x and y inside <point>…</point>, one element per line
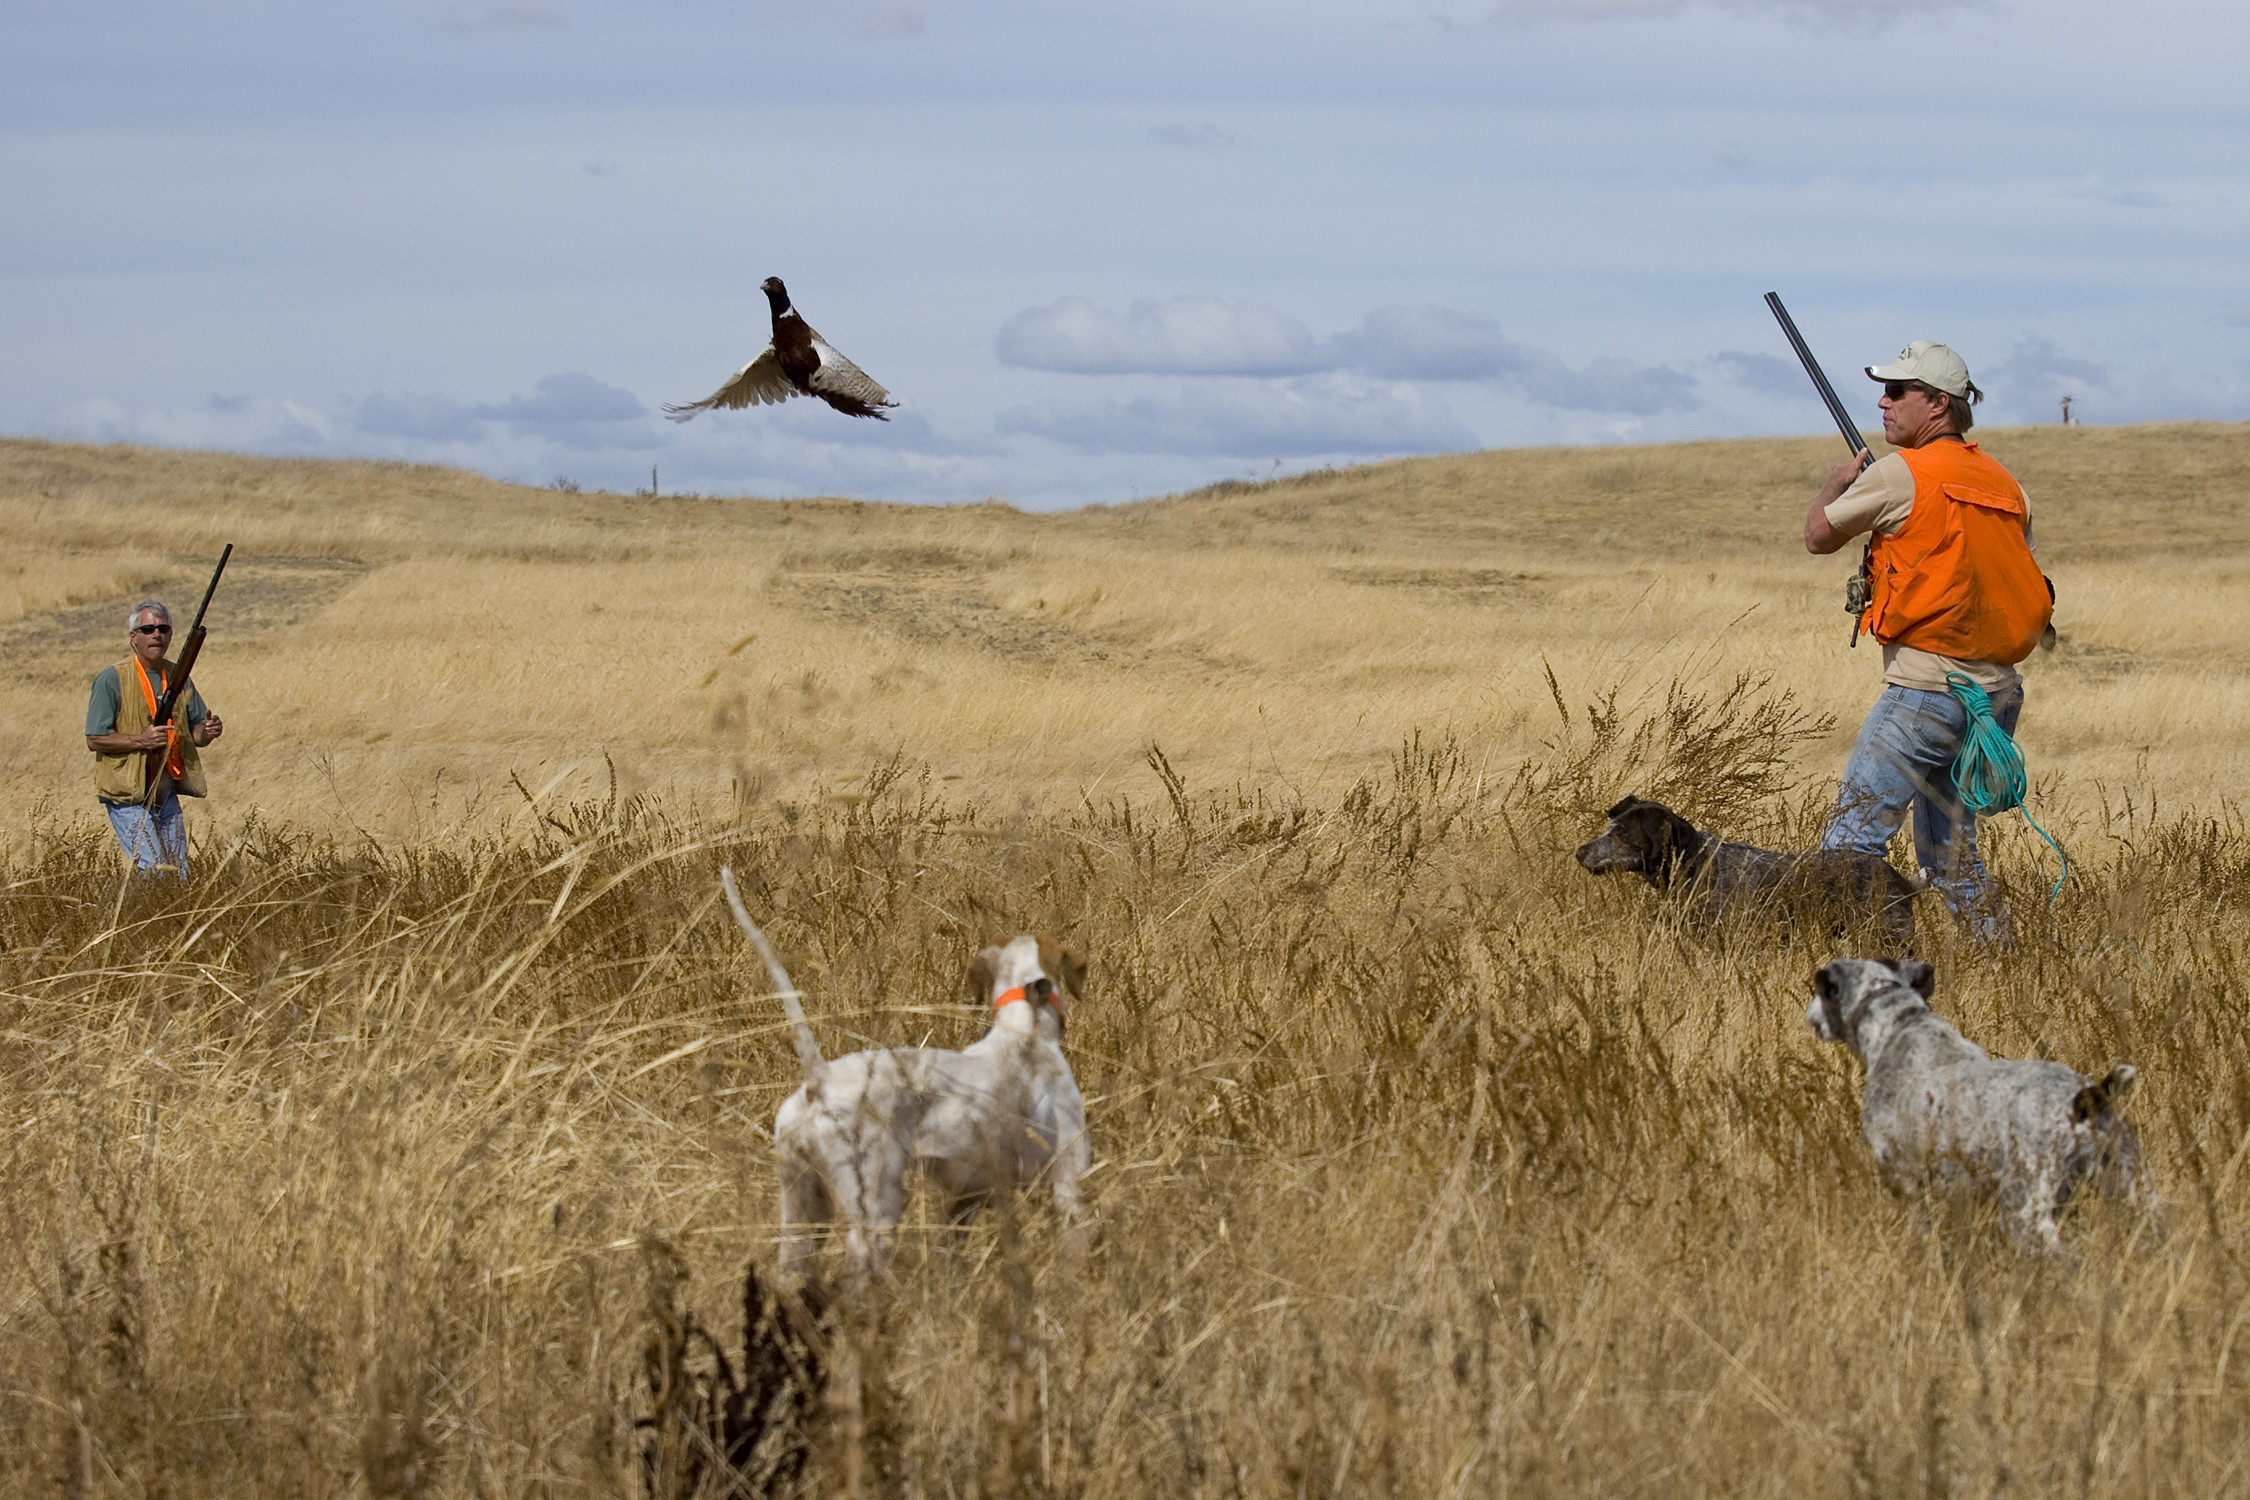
<point>1820,1015</point>
<point>984,968</point>
<point>1066,963</point>
<point>1661,835</point>
<point>2096,1100</point>
<point>1916,976</point>
<point>1620,809</point>
<point>1641,825</point>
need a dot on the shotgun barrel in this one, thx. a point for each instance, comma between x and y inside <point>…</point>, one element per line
<point>1843,418</point>
<point>153,767</point>
<point>1855,597</point>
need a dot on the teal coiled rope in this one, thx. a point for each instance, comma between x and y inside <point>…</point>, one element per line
<point>1988,773</point>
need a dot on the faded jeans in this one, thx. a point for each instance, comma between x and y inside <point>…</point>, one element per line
<point>156,842</point>
<point>1905,755</point>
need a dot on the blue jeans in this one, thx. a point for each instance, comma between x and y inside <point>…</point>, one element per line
<point>1905,755</point>
<point>155,841</point>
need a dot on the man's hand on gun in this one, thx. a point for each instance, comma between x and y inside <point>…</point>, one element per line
<point>154,738</point>
<point>1845,475</point>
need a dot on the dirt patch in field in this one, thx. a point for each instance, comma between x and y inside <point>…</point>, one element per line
<point>1476,584</point>
<point>259,598</point>
<point>945,609</point>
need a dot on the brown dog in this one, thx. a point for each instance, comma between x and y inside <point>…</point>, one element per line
<point>1672,854</point>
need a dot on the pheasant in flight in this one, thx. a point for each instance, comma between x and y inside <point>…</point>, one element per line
<point>798,362</point>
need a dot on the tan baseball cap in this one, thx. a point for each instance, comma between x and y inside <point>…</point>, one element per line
<point>1933,365</point>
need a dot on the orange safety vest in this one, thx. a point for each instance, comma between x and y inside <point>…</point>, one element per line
<point>174,766</point>
<point>1958,579</point>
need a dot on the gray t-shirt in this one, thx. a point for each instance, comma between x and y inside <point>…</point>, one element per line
<point>101,708</point>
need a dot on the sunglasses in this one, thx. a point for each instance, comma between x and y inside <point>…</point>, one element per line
<point>1896,389</point>
<point>152,630</point>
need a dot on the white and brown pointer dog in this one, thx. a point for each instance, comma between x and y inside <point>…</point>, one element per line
<point>1947,1121</point>
<point>996,1117</point>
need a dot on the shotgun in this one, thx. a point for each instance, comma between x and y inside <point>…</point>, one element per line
<point>1855,593</point>
<point>153,766</point>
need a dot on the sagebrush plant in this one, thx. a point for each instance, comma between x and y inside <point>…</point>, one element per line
<point>1426,1164</point>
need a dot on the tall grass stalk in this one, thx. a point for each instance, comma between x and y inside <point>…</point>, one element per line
<point>1426,1164</point>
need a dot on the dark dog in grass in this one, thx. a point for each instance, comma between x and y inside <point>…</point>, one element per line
<point>1672,854</point>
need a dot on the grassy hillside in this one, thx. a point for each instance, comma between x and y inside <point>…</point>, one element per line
<point>396,640</point>
<point>404,1150</point>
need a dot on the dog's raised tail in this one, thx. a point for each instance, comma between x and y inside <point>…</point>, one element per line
<point>808,1050</point>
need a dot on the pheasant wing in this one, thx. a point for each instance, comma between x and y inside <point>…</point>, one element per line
<point>758,383</point>
<point>845,385</point>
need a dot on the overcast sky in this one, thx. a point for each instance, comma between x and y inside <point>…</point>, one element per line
<point>1100,252</point>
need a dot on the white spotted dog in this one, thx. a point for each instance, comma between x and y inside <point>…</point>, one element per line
<point>1946,1120</point>
<point>998,1116</point>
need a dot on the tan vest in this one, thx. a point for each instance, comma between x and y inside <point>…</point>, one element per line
<point>119,778</point>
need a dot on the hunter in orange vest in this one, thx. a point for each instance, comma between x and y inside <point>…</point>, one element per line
<point>120,731</point>
<point>1952,590</point>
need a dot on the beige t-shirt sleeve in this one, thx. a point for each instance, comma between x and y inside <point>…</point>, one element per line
<point>1879,500</point>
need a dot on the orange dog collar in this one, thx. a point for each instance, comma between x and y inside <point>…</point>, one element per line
<point>1022,992</point>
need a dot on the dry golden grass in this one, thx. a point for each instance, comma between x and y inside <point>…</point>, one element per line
<point>394,641</point>
<point>366,1161</point>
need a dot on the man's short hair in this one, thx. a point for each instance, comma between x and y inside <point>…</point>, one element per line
<point>1961,409</point>
<point>148,607</point>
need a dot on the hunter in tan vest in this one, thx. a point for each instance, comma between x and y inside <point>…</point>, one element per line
<point>123,776</point>
<point>120,732</point>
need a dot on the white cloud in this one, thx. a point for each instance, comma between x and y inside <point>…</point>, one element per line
<point>567,401</point>
<point>1177,336</point>
<point>1439,343</point>
<point>423,419</point>
<point>1767,374</point>
<point>253,424</point>
<point>1431,343</point>
<point>571,411</point>
<point>1278,419</point>
<point>1610,384</point>
<point>1204,336</point>
<point>2029,384</point>
<point>2038,372</point>
<point>813,422</point>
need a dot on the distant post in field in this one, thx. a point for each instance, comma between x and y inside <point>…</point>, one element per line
<point>2066,411</point>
